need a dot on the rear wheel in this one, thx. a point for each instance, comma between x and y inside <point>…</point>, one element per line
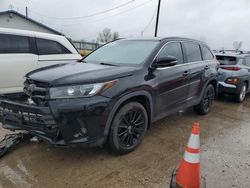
<point>205,105</point>
<point>128,128</point>
<point>242,94</point>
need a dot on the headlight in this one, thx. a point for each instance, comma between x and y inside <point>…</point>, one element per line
<point>78,91</point>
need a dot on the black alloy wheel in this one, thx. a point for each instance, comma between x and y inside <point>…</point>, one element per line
<point>128,128</point>
<point>204,107</point>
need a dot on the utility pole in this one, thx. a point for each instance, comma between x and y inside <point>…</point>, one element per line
<point>26,11</point>
<point>157,18</point>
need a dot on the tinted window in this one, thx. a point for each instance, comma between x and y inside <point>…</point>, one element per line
<point>49,47</point>
<point>193,52</point>
<point>173,49</point>
<point>247,61</point>
<point>14,44</point>
<point>226,60</point>
<point>206,53</point>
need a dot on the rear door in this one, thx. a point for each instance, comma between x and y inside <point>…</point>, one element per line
<point>52,52</point>
<point>16,59</point>
<point>172,82</point>
<point>197,69</point>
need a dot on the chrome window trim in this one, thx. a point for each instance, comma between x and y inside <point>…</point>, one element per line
<point>164,68</point>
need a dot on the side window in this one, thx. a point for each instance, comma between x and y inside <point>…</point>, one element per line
<point>206,53</point>
<point>247,61</point>
<point>173,49</point>
<point>14,44</point>
<point>49,47</point>
<point>193,51</point>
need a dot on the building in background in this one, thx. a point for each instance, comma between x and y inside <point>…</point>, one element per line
<point>15,20</point>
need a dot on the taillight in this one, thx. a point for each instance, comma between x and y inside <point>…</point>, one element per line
<point>231,68</point>
<point>233,81</point>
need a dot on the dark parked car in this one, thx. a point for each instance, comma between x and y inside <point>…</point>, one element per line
<point>234,74</point>
<point>116,93</point>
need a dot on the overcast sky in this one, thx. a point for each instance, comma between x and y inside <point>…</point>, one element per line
<point>217,22</point>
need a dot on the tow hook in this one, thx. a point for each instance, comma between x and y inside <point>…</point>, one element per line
<point>11,140</point>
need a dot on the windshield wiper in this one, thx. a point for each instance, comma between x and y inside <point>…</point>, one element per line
<point>109,64</point>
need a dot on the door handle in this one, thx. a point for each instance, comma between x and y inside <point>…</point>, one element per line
<point>186,73</point>
<point>206,67</point>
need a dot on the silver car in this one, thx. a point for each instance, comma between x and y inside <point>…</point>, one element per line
<point>234,74</point>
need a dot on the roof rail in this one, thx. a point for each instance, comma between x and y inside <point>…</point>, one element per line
<point>232,51</point>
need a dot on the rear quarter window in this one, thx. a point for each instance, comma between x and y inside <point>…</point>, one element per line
<point>49,47</point>
<point>206,53</point>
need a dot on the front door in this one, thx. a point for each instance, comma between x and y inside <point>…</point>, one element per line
<point>172,82</point>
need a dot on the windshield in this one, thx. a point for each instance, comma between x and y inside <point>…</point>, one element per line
<point>133,52</point>
<point>227,60</point>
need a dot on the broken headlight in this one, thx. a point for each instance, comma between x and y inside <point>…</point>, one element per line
<point>77,91</point>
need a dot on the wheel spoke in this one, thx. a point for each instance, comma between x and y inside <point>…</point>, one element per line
<point>122,133</point>
<point>138,118</point>
<point>134,116</point>
<point>125,120</point>
<point>123,126</point>
<point>138,124</point>
<point>128,139</point>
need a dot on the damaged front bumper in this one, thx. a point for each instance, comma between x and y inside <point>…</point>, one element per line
<point>59,122</point>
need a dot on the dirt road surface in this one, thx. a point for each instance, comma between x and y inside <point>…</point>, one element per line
<point>225,158</point>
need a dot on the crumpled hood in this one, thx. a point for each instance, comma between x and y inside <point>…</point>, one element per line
<point>79,73</point>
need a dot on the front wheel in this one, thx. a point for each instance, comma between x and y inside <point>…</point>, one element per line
<point>204,107</point>
<point>128,128</point>
<point>242,94</point>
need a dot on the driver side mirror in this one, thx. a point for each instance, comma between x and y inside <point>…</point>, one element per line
<point>167,61</point>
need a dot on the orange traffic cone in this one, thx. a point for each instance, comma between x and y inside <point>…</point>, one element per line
<point>188,174</point>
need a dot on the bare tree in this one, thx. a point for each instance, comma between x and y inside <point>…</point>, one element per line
<point>106,36</point>
<point>237,45</point>
<point>115,36</point>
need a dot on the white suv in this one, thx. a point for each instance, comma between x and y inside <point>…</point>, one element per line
<point>23,51</point>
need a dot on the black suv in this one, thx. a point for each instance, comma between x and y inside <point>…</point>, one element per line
<point>115,93</point>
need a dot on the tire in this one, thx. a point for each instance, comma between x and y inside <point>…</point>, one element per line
<point>204,107</point>
<point>242,94</point>
<point>128,128</point>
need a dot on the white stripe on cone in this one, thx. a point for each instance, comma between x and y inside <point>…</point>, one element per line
<point>191,157</point>
<point>194,141</point>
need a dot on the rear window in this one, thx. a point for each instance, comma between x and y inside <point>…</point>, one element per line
<point>226,60</point>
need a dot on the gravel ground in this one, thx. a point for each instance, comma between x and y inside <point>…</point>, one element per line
<point>225,157</point>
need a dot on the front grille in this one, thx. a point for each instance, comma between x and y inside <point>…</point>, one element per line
<point>27,117</point>
<point>37,91</point>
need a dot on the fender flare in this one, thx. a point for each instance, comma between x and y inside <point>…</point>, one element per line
<point>208,81</point>
<point>118,104</point>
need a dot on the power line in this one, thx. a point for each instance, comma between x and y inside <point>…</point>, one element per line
<point>112,16</point>
<point>86,16</point>
<point>150,21</point>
